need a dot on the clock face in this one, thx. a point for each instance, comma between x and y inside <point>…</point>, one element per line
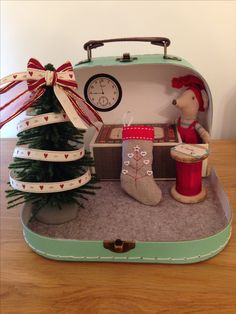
<point>103,92</point>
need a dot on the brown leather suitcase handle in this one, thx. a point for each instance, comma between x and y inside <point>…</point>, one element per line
<point>158,41</point>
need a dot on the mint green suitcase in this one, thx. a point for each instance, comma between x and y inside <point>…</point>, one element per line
<point>143,87</point>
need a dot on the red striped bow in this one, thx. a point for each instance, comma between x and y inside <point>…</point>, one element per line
<point>26,87</point>
<point>37,76</point>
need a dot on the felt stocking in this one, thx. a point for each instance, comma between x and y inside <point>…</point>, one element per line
<point>137,176</point>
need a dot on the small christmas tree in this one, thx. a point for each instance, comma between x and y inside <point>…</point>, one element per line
<point>58,137</point>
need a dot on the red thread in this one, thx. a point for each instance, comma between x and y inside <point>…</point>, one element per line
<point>188,178</point>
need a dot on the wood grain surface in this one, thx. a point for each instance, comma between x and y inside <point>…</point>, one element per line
<point>33,284</point>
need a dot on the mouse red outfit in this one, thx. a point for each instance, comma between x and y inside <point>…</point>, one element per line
<point>188,135</point>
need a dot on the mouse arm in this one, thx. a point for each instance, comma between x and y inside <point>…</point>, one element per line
<point>205,136</point>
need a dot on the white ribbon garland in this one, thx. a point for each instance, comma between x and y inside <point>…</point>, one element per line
<point>41,119</point>
<point>48,155</point>
<point>49,187</point>
<point>25,152</point>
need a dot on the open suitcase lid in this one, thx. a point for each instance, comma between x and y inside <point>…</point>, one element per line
<point>144,83</point>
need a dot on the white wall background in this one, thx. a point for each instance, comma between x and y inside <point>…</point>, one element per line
<point>202,32</point>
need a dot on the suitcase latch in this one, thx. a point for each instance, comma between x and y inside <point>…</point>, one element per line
<point>126,58</point>
<point>119,246</point>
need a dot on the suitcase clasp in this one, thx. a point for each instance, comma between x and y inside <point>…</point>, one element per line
<point>119,246</point>
<point>126,58</point>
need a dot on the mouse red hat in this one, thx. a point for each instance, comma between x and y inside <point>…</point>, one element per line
<point>193,83</point>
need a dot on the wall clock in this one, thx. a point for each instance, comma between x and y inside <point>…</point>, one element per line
<point>103,92</point>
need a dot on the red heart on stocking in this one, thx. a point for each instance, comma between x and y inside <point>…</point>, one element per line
<point>45,155</point>
<point>14,76</point>
<point>28,153</point>
<point>62,185</point>
<point>41,187</point>
<point>46,118</point>
<point>66,156</point>
<point>27,122</point>
<point>30,73</point>
<point>80,181</point>
<point>71,75</point>
<point>64,115</point>
<point>23,185</point>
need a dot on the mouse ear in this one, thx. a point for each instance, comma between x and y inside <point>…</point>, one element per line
<point>205,99</point>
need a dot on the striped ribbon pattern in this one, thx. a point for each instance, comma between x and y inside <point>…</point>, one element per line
<point>23,151</point>
<point>37,77</point>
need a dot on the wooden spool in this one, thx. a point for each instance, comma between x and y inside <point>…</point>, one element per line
<point>188,187</point>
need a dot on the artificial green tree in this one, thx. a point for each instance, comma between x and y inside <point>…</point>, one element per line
<point>59,137</point>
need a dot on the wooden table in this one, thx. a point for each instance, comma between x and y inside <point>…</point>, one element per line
<point>32,284</point>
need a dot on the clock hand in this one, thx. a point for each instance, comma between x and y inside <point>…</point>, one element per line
<point>95,93</point>
<point>101,87</point>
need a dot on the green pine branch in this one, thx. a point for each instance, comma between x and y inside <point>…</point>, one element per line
<point>59,137</point>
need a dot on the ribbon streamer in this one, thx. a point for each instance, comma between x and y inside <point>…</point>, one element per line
<point>24,88</point>
<point>48,155</point>
<point>49,187</point>
<point>23,151</point>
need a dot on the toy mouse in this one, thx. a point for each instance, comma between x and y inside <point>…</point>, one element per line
<point>192,100</point>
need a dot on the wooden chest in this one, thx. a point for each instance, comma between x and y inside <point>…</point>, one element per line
<point>106,148</point>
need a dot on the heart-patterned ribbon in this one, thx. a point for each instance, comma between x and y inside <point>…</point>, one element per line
<point>24,88</point>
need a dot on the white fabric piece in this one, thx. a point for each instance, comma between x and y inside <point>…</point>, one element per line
<point>68,107</point>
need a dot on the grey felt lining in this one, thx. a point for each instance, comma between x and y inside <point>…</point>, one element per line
<point>112,214</point>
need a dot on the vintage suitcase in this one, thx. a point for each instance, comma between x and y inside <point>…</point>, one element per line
<point>114,227</point>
